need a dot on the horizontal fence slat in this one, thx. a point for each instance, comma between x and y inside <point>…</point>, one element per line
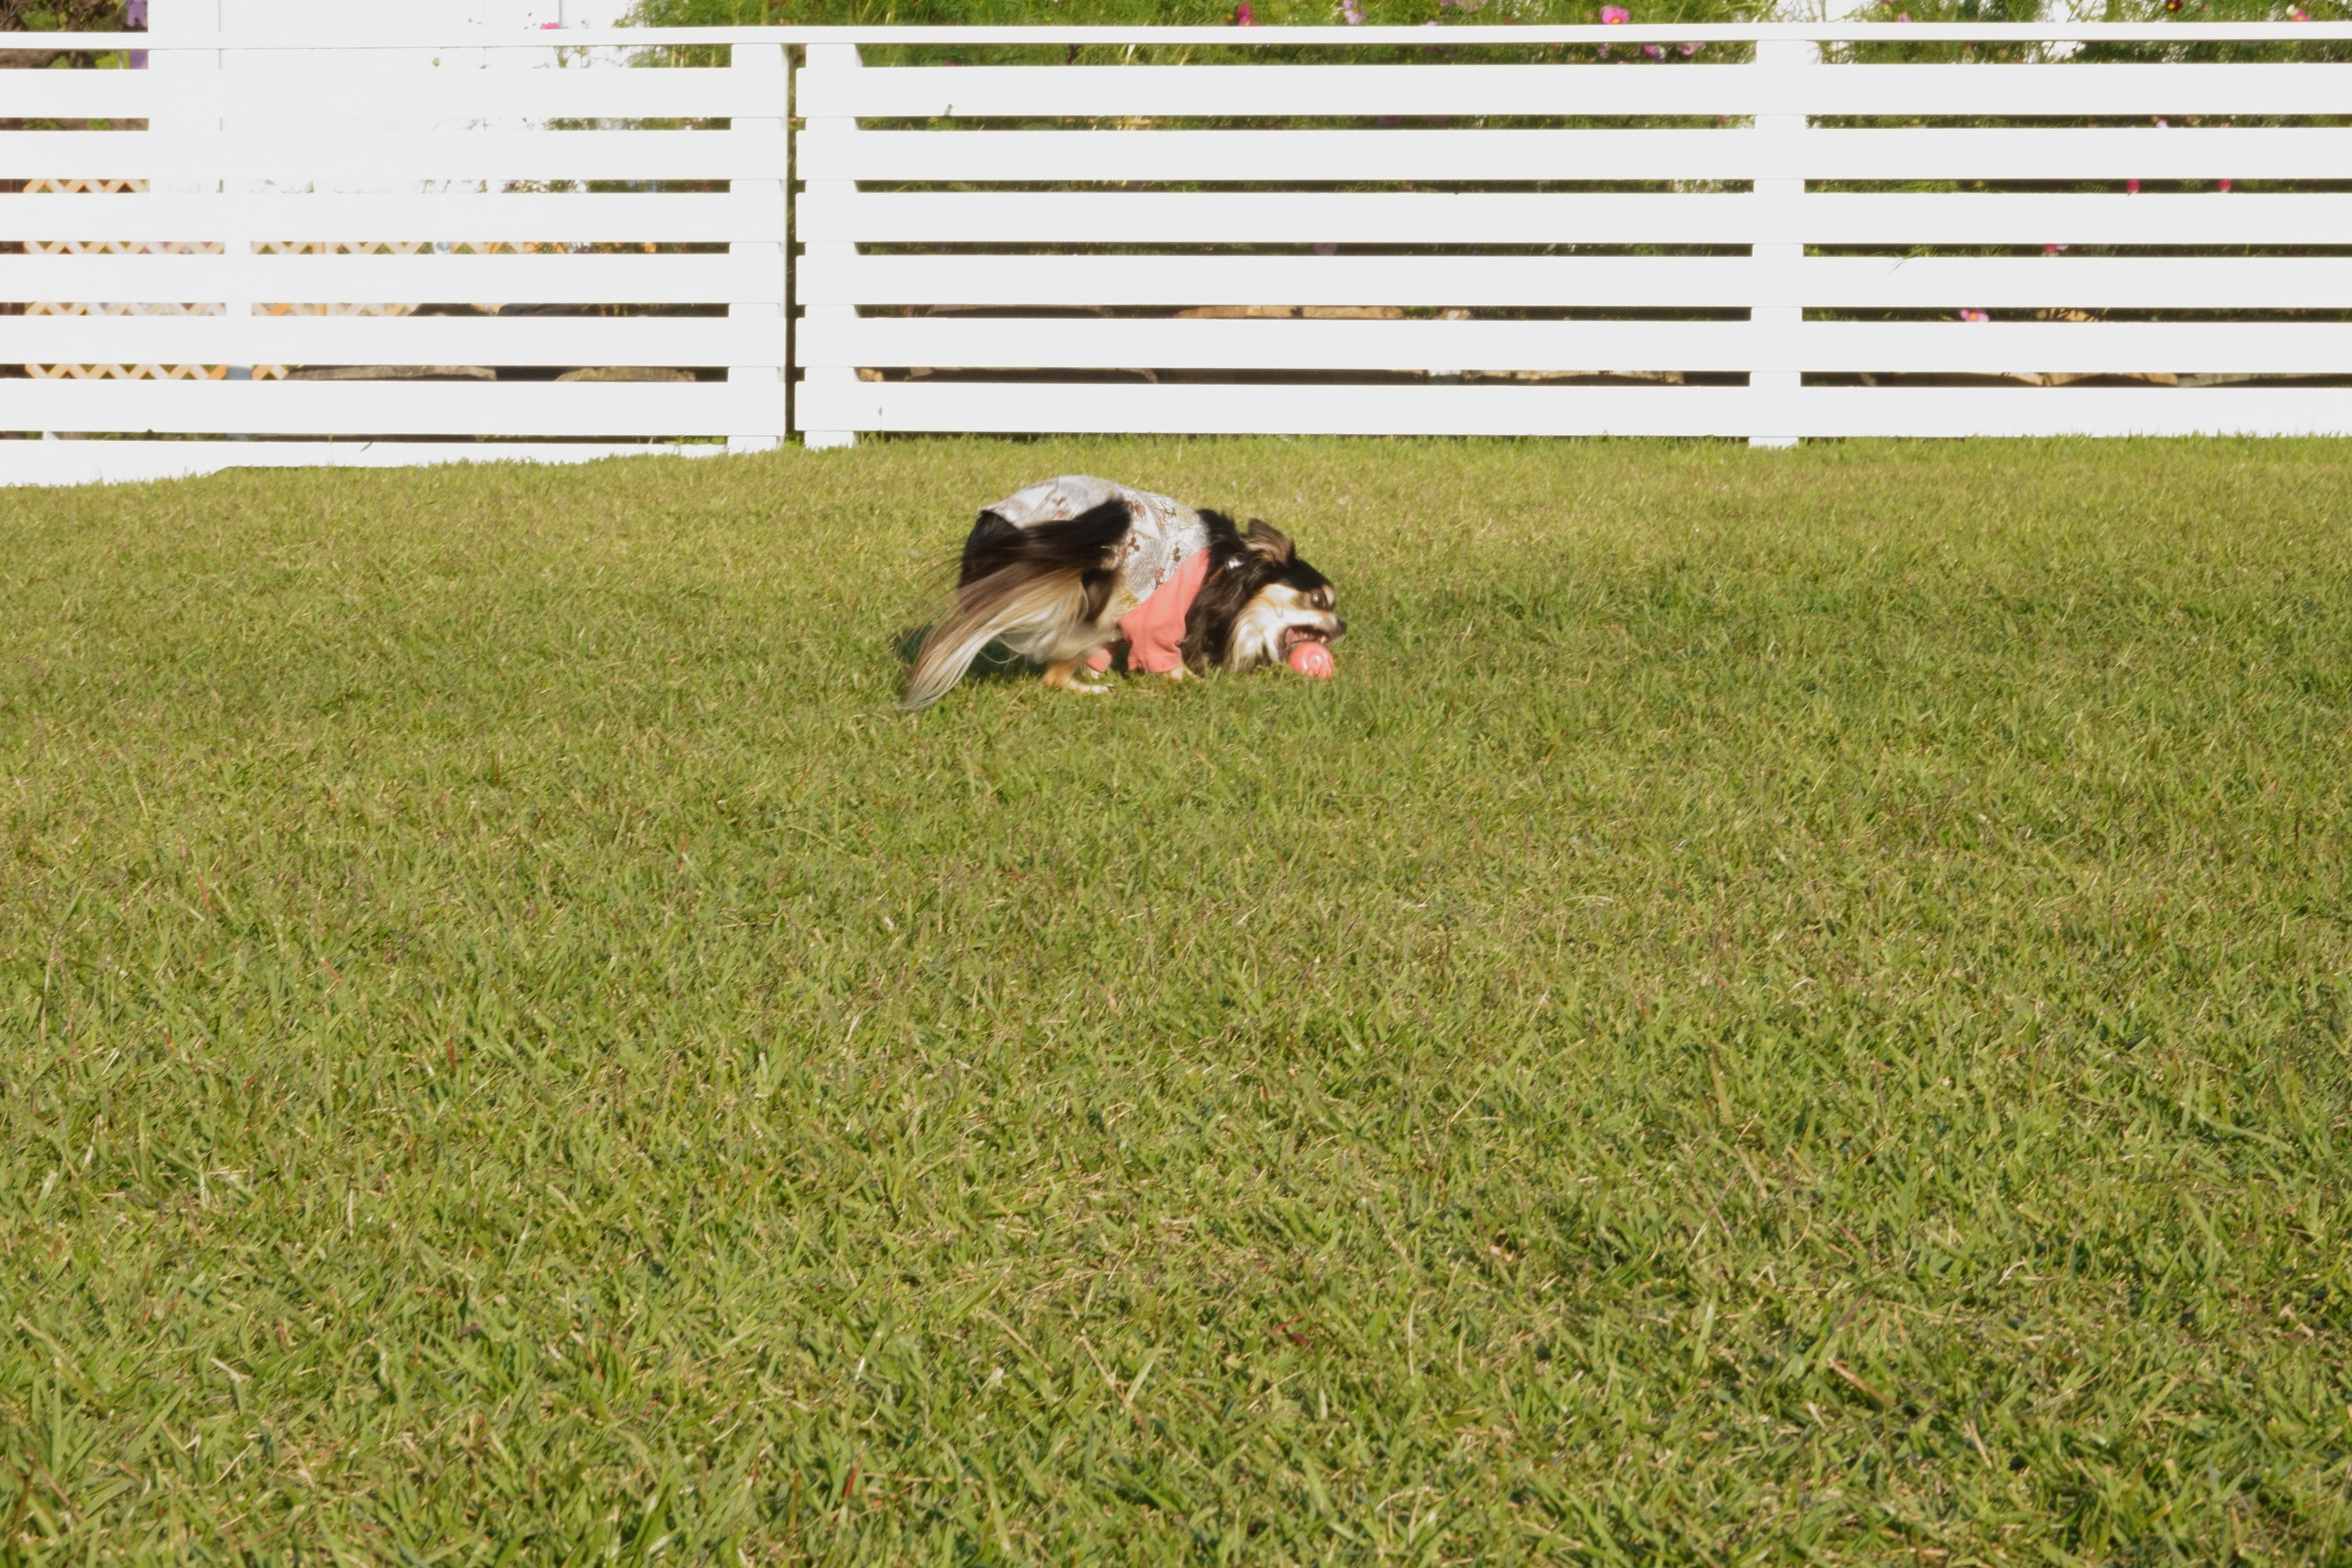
<point>1942,411</point>
<point>385,408</point>
<point>127,462</point>
<point>2107,348</point>
<point>554,279</point>
<point>398,340</point>
<point>2063,89</point>
<point>1439,280</point>
<point>1579,89</point>
<point>1878,282</point>
<point>1270,89</point>
<point>339,154</point>
<point>1213,217</point>
<point>1959,217</point>
<point>1010,408</point>
<point>1573,410</point>
<point>1522,155</point>
<point>253,90</point>
<point>884,340</point>
<point>1032,91</point>
<point>1902,347</point>
<point>671,218</point>
<point>2300,283</point>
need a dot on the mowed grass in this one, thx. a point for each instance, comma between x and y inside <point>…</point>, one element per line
<point>1782,1006</point>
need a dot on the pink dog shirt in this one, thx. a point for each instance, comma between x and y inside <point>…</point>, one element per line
<point>1154,629</point>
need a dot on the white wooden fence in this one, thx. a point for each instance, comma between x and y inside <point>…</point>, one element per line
<point>1396,264</point>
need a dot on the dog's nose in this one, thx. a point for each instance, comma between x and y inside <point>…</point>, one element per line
<point>1338,628</point>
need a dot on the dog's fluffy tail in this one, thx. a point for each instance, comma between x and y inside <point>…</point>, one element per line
<point>1039,589</point>
<point>1028,610</point>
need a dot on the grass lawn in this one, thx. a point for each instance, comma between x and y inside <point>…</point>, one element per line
<point>1783,1006</point>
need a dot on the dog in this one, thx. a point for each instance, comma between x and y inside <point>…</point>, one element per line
<point>1063,571</point>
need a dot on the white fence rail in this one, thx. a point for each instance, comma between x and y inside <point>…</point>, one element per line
<point>377,259</point>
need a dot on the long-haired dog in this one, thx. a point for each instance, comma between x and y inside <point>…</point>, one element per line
<point>1063,571</point>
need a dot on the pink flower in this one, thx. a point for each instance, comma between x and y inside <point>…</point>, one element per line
<point>2297,13</point>
<point>2131,187</point>
<point>2225,188</point>
<point>2162,124</point>
<point>1610,16</point>
<point>2051,250</point>
<point>1653,52</point>
<point>1242,17</point>
<point>1975,316</point>
<point>1903,15</point>
<point>1353,12</point>
<point>1686,50</point>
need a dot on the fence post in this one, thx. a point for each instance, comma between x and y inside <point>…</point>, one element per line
<point>828,57</point>
<point>759,205</point>
<point>1775,373</point>
<point>225,180</point>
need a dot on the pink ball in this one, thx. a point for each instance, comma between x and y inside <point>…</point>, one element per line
<point>1312,659</point>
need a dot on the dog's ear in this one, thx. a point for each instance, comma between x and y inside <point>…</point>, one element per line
<point>1270,544</point>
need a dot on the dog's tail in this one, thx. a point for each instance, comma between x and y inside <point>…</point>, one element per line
<point>1039,589</point>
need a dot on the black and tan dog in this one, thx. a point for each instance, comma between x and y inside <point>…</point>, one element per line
<point>1065,570</point>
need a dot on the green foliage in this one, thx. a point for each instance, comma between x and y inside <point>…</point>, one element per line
<point>1782,1007</point>
<point>63,16</point>
<point>1134,13</point>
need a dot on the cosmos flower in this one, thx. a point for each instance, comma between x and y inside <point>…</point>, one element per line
<point>1610,16</point>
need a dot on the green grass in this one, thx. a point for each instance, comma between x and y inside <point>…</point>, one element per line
<point>1782,1006</point>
